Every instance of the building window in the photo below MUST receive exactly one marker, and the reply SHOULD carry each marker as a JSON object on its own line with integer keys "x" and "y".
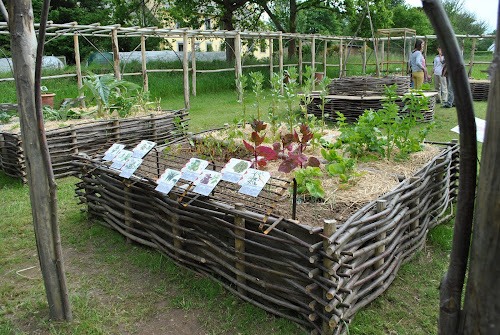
{"x": 208, "y": 24}
{"x": 210, "y": 47}
{"x": 180, "y": 47}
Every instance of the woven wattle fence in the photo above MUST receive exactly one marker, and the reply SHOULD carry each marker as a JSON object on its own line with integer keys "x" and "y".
{"x": 317, "y": 277}
{"x": 352, "y": 96}
{"x": 90, "y": 137}
{"x": 479, "y": 89}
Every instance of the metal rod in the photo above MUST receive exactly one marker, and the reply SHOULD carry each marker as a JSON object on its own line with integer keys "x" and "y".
{"x": 294, "y": 200}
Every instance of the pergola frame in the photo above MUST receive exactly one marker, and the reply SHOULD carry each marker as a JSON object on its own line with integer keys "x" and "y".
{"x": 117, "y": 31}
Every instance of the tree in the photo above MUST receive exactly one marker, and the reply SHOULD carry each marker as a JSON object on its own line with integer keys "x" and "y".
{"x": 42, "y": 186}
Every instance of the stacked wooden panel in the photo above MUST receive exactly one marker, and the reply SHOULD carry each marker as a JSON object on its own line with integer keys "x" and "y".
{"x": 479, "y": 89}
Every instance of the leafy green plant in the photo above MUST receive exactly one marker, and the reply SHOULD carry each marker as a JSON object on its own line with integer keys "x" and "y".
{"x": 64, "y": 113}
{"x": 339, "y": 166}
{"x": 290, "y": 94}
{"x": 276, "y": 83}
{"x": 5, "y": 117}
{"x": 308, "y": 184}
{"x": 305, "y": 97}
{"x": 257, "y": 81}
{"x": 241, "y": 85}
{"x": 106, "y": 90}
{"x": 323, "y": 86}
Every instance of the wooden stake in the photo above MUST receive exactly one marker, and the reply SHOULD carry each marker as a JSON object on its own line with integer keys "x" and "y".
{"x": 341, "y": 58}
{"x": 78, "y": 66}
{"x": 193, "y": 65}
{"x": 381, "y": 205}
{"x": 471, "y": 62}
{"x": 239, "y": 245}
{"x": 328, "y": 230}
{"x": 364, "y": 57}
{"x": 116, "y": 55}
{"x": 313, "y": 58}
{"x": 271, "y": 58}
{"x": 325, "y": 54}
{"x": 74, "y": 140}
{"x": 185, "y": 71}
{"x": 414, "y": 225}
{"x": 127, "y": 212}
{"x": 280, "y": 56}
{"x": 300, "y": 62}
{"x": 237, "y": 58}
{"x": 145, "y": 81}
{"x": 153, "y": 127}
{"x": 116, "y": 129}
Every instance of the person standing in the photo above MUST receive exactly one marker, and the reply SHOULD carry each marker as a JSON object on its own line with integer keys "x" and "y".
{"x": 418, "y": 70}
{"x": 439, "y": 80}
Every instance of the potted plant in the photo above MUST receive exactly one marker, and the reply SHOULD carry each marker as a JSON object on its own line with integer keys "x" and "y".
{"x": 47, "y": 97}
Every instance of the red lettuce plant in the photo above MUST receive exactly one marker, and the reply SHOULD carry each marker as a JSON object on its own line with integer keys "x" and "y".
{"x": 262, "y": 154}
{"x": 295, "y": 156}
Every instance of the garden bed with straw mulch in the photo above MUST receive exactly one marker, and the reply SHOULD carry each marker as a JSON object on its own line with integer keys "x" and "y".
{"x": 317, "y": 273}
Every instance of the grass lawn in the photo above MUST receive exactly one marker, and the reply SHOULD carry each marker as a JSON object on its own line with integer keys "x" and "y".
{"x": 119, "y": 288}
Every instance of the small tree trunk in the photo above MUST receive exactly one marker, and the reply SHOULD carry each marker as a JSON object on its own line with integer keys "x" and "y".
{"x": 227, "y": 24}
{"x": 292, "y": 27}
{"x": 40, "y": 175}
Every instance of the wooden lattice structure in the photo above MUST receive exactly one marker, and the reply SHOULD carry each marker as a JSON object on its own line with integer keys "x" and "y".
{"x": 316, "y": 277}
{"x": 90, "y": 138}
{"x": 406, "y": 37}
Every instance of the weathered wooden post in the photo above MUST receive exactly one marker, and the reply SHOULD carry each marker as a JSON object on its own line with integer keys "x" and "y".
{"x": 313, "y": 58}
{"x": 300, "y": 61}
{"x": 78, "y": 66}
{"x": 185, "y": 70}
{"x": 271, "y": 65}
{"x": 74, "y": 140}
{"x": 116, "y": 55}
{"x": 193, "y": 65}
{"x": 341, "y": 58}
{"x": 280, "y": 56}
{"x": 239, "y": 245}
{"x": 237, "y": 59}
{"x": 381, "y": 205}
{"x": 145, "y": 81}
{"x": 127, "y": 213}
{"x": 364, "y": 56}
{"x": 471, "y": 62}
{"x": 175, "y": 222}
{"x": 153, "y": 127}
{"x": 439, "y": 178}
{"x": 414, "y": 204}
{"x": 116, "y": 129}
{"x": 325, "y": 54}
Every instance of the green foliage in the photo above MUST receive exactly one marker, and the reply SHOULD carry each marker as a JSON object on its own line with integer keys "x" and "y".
{"x": 339, "y": 166}
{"x": 5, "y": 117}
{"x": 257, "y": 80}
{"x": 308, "y": 184}
{"x": 241, "y": 85}
{"x": 290, "y": 94}
{"x": 64, "y": 113}
{"x": 323, "y": 86}
{"x": 307, "y": 86}
{"x": 276, "y": 83}
{"x": 107, "y": 91}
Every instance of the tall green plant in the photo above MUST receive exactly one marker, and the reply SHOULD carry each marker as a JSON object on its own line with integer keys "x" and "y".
{"x": 276, "y": 83}
{"x": 307, "y": 87}
{"x": 104, "y": 89}
{"x": 241, "y": 85}
{"x": 257, "y": 81}
{"x": 323, "y": 86}
{"x": 290, "y": 94}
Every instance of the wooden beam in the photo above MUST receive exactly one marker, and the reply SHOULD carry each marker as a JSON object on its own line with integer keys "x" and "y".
{"x": 185, "y": 70}
{"x": 270, "y": 58}
{"x": 341, "y": 58}
{"x": 193, "y": 65}
{"x": 116, "y": 55}
{"x": 364, "y": 57}
{"x": 471, "y": 62}
{"x": 144, "y": 68}
{"x": 237, "y": 58}
{"x": 325, "y": 54}
{"x": 300, "y": 61}
{"x": 280, "y": 56}
{"x": 313, "y": 58}
{"x": 78, "y": 66}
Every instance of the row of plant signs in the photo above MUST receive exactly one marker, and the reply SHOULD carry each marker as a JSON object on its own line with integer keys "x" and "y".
{"x": 236, "y": 171}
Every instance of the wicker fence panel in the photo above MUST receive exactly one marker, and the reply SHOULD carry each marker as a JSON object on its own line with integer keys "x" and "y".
{"x": 368, "y": 86}
{"x": 90, "y": 137}
{"x": 295, "y": 271}
{"x": 479, "y": 89}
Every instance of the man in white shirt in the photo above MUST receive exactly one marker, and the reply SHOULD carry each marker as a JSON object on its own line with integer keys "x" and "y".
{"x": 439, "y": 79}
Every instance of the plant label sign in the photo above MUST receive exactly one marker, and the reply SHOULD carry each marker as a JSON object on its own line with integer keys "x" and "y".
{"x": 167, "y": 180}
{"x": 193, "y": 169}
{"x": 113, "y": 151}
{"x": 480, "y": 129}
{"x": 143, "y": 148}
{"x": 253, "y": 181}
{"x": 120, "y": 159}
{"x": 206, "y": 182}
{"x": 130, "y": 166}
{"x": 234, "y": 170}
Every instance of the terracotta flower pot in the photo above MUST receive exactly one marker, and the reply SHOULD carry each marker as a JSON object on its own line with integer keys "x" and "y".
{"x": 48, "y": 99}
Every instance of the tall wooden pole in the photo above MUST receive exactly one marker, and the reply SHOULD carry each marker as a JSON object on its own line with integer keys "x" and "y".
{"x": 116, "y": 55}
{"x": 280, "y": 57}
{"x": 364, "y": 57}
{"x": 42, "y": 185}
{"x": 237, "y": 59}
{"x": 185, "y": 71}
{"x": 471, "y": 62}
{"x": 313, "y": 58}
{"x": 300, "y": 61}
{"x": 193, "y": 65}
{"x": 341, "y": 58}
{"x": 271, "y": 70}
{"x": 325, "y": 54}
{"x": 78, "y": 65}
{"x": 144, "y": 68}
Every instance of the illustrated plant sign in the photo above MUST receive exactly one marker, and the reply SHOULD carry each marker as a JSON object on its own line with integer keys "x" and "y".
{"x": 120, "y": 159}
{"x": 113, "y": 151}
{"x": 143, "y": 148}
{"x": 193, "y": 169}
{"x": 253, "y": 181}
{"x": 130, "y": 166}
{"x": 167, "y": 180}
{"x": 206, "y": 182}
{"x": 234, "y": 170}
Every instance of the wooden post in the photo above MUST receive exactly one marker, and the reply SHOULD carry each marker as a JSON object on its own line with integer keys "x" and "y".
{"x": 403, "y": 65}
{"x": 78, "y": 66}
{"x": 364, "y": 56}
{"x": 280, "y": 56}
{"x": 116, "y": 55}
{"x": 237, "y": 59}
{"x": 381, "y": 205}
{"x": 382, "y": 55}
{"x": 425, "y": 48}
{"x": 145, "y": 81}
{"x": 439, "y": 178}
{"x": 193, "y": 65}
{"x": 463, "y": 46}
{"x": 300, "y": 61}
{"x": 325, "y": 54}
{"x": 471, "y": 62}
{"x": 185, "y": 70}
{"x": 127, "y": 212}
{"x": 329, "y": 229}
{"x": 153, "y": 127}
{"x": 239, "y": 245}
{"x": 116, "y": 130}
{"x": 74, "y": 140}
{"x": 413, "y": 204}
{"x": 313, "y": 59}
{"x": 341, "y": 58}
{"x": 176, "y": 231}
{"x": 271, "y": 70}
{"x": 3, "y": 152}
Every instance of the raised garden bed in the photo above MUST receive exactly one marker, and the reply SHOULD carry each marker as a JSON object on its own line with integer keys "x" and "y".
{"x": 89, "y": 137}
{"x": 479, "y": 89}
{"x": 314, "y": 276}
